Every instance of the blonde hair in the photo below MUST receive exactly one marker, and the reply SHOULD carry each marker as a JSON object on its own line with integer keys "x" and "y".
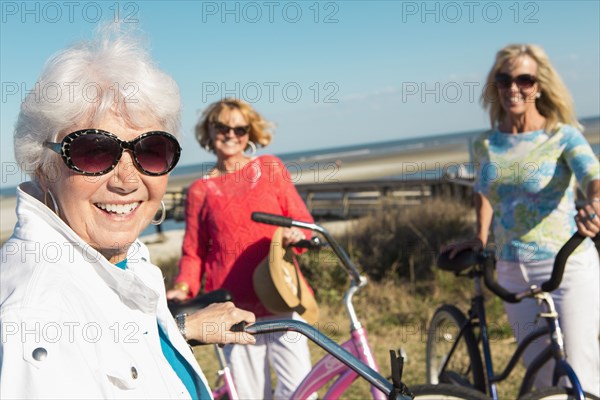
{"x": 260, "y": 129}
{"x": 555, "y": 102}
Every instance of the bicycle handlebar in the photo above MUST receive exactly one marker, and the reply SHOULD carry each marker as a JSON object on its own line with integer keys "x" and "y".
{"x": 279, "y": 220}
{"x": 561, "y": 261}
{"x": 488, "y": 263}
{"x": 555, "y": 279}
{"x": 272, "y": 219}
{"x": 337, "y": 351}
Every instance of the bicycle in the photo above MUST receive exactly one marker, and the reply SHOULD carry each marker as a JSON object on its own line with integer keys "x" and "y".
{"x": 452, "y": 352}
{"x": 343, "y": 363}
{"x": 355, "y": 356}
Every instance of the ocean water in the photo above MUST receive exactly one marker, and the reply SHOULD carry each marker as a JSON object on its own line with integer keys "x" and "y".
{"x": 355, "y": 152}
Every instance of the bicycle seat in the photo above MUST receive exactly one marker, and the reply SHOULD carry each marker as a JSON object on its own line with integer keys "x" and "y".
{"x": 463, "y": 260}
{"x": 199, "y": 302}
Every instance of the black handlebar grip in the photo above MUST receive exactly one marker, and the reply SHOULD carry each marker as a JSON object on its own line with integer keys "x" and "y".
{"x": 239, "y": 327}
{"x": 490, "y": 282}
{"x": 271, "y": 219}
{"x": 461, "y": 261}
{"x": 561, "y": 261}
{"x": 311, "y": 244}
{"x": 303, "y": 244}
{"x": 199, "y": 302}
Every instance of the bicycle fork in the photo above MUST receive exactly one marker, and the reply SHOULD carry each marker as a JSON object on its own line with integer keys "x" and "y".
{"x": 556, "y": 350}
{"x": 479, "y": 308}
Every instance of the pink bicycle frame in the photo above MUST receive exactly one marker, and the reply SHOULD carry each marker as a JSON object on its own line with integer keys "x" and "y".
{"x": 329, "y": 367}
{"x": 228, "y": 387}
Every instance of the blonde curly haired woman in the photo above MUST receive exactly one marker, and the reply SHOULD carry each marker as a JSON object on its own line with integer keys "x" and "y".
{"x": 223, "y": 246}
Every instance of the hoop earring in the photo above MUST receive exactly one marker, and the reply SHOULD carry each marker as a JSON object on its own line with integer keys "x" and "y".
{"x": 54, "y": 205}
{"x": 163, "y": 214}
{"x": 252, "y": 147}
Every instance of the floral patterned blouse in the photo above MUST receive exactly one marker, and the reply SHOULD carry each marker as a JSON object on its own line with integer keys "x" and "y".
{"x": 530, "y": 180}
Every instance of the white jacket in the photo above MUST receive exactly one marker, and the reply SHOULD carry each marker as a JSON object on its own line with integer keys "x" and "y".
{"x": 74, "y": 325}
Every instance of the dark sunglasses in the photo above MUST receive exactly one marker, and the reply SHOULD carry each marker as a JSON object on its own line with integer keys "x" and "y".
{"x": 224, "y": 129}
{"x": 94, "y": 152}
{"x": 524, "y": 81}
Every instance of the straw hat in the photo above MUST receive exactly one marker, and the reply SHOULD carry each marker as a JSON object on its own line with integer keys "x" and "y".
{"x": 280, "y": 285}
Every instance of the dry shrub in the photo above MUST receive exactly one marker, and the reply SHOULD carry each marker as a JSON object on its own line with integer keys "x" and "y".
{"x": 396, "y": 249}
{"x": 404, "y": 242}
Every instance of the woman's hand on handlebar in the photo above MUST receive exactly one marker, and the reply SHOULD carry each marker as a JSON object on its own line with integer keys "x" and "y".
{"x": 180, "y": 292}
{"x": 588, "y": 218}
{"x": 292, "y": 235}
{"x": 453, "y": 249}
{"x": 177, "y": 295}
{"x": 214, "y": 323}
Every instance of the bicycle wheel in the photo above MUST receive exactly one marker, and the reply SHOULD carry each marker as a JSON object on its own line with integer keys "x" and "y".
{"x": 464, "y": 366}
{"x": 446, "y": 392}
{"x": 555, "y": 393}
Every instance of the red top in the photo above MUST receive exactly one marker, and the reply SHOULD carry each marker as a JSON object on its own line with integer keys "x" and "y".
{"x": 221, "y": 241}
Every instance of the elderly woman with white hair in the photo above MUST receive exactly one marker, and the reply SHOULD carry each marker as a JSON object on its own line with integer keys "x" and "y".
{"x": 83, "y": 311}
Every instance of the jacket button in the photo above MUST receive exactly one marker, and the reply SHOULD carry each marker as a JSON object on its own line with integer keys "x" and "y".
{"x": 134, "y": 373}
{"x": 39, "y": 354}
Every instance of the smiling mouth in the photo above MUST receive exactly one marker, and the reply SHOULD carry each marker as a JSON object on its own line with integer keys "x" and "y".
{"x": 516, "y": 99}
{"x": 120, "y": 209}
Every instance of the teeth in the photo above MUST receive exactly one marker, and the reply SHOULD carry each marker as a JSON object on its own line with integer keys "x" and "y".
{"x": 118, "y": 208}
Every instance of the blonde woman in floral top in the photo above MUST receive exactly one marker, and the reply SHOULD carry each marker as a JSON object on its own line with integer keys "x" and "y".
{"x": 528, "y": 167}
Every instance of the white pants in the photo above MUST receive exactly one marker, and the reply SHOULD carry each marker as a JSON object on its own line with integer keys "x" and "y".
{"x": 287, "y": 353}
{"x": 577, "y": 302}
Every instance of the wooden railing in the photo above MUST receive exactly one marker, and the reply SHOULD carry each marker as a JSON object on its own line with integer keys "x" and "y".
{"x": 354, "y": 199}
{"x": 175, "y": 204}
{"x": 342, "y": 200}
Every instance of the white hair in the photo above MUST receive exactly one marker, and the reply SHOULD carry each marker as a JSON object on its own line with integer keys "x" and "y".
{"x": 81, "y": 84}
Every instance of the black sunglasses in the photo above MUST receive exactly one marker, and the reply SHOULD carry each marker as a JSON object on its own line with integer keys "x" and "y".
{"x": 224, "y": 129}
{"x": 524, "y": 81}
{"x": 94, "y": 152}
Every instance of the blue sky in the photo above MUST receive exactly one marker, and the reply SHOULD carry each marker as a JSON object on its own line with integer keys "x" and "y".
{"x": 328, "y": 73}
